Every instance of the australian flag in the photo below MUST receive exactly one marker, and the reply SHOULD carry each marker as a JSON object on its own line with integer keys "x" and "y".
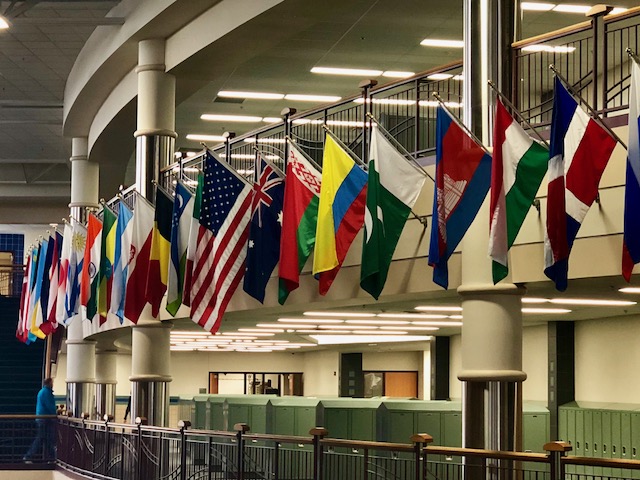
{"x": 266, "y": 224}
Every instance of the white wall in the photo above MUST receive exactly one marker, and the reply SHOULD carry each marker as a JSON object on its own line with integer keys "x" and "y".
{"x": 30, "y": 232}
{"x": 321, "y": 373}
{"x": 391, "y": 361}
{"x": 607, "y": 360}
{"x": 455, "y": 365}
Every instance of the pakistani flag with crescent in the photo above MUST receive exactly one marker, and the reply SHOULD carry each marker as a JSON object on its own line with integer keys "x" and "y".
{"x": 393, "y": 188}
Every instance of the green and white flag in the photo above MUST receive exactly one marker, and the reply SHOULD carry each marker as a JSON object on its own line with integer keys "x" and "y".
{"x": 393, "y": 188}
{"x": 519, "y": 165}
{"x": 180, "y": 228}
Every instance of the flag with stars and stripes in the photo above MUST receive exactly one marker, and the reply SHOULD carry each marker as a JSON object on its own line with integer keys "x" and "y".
{"x": 263, "y": 251}
{"x": 222, "y": 240}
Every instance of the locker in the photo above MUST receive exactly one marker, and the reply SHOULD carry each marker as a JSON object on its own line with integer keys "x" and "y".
{"x": 452, "y": 432}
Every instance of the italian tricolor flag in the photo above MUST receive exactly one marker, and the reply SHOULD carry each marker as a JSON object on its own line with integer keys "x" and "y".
{"x": 519, "y": 165}
{"x": 299, "y": 220}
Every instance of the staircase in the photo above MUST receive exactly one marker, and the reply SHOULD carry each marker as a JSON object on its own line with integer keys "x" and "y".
{"x": 20, "y": 364}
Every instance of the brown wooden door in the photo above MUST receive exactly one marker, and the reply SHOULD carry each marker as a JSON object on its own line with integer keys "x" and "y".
{"x": 213, "y": 383}
{"x": 401, "y": 384}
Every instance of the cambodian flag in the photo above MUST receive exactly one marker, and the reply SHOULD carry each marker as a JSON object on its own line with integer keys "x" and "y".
{"x": 631, "y": 244}
{"x": 580, "y": 150}
{"x": 463, "y": 177}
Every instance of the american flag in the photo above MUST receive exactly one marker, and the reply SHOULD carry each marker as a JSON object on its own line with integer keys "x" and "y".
{"x": 222, "y": 240}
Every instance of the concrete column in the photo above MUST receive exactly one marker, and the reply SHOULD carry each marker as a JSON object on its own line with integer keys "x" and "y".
{"x": 81, "y": 361}
{"x": 150, "y": 372}
{"x": 492, "y": 319}
{"x": 106, "y": 380}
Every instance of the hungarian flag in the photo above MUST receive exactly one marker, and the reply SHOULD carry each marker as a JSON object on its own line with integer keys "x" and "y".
{"x": 580, "y": 150}
{"x": 91, "y": 263}
{"x": 340, "y": 211}
{"x": 180, "y": 226}
{"x": 263, "y": 250}
{"x": 135, "y": 296}
{"x": 160, "y": 246}
{"x": 107, "y": 259}
{"x": 631, "y": 243}
{"x": 194, "y": 226}
{"x": 393, "y": 188}
{"x": 299, "y": 220}
{"x": 124, "y": 232}
{"x": 519, "y": 165}
{"x": 463, "y": 176}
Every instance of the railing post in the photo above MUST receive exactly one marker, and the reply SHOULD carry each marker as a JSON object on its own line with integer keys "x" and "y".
{"x": 140, "y": 421}
{"x": 366, "y": 86}
{"x": 597, "y": 14}
{"x": 228, "y": 136}
{"x": 557, "y": 450}
{"x": 84, "y": 459}
{"x": 286, "y": 117}
{"x": 183, "y": 425}
{"x": 318, "y": 434}
{"x": 240, "y": 428}
{"x": 107, "y": 441}
{"x": 420, "y": 441}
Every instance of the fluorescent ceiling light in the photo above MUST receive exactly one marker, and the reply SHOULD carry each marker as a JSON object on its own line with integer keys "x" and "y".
{"x": 572, "y": 8}
{"x": 458, "y": 77}
{"x": 534, "y": 300}
{"x": 457, "y": 317}
{"x": 379, "y": 332}
{"x": 545, "y": 310}
{"x": 425, "y": 328}
{"x": 591, "y": 301}
{"x": 378, "y": 322}
{"x": 310, "y": 320}
{"x": 252, "y": 95}
{"x": 629, "y": 290}
{"x": 439, "y": 76}
{"x": 339, "y": 327}
{"x": 617, "y": 10}
{"x": 410, "y": 315}
{"x": 311, "y": 98}
{"x": 397, "y": 74}
{"x": 272, "y": 119}
{"x": 304, "y": 121}
{"x": 438, "y": 308}
{"x": 537, "y": 6}
{"x": 354, "y": 339}
{"x": 328, "y": 332}
{"x": 265, "y": 140}
{"x": 345, "y": 123}
{"x": 214, "y": 117}
{"x": 340, "y": 314}
{"x": 240, "y": 156}
{"x": 548, "y": 48}
{"x": 285, "y": 325}
{"x": 434, "y": 42}
{"x": 434, "y": 103}
{"x": 386, "y": 101}
{"x": 438, "y": 324}
{"x": 272, "y": 330}
{"x": 205, "y": 138}
{"x": 191, "y": 333}
{"x": 359, "y": 72}
{"x": 4, "y": 24}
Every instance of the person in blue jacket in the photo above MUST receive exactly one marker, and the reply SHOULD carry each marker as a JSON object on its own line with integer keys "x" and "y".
{"x": 45, "y": 405}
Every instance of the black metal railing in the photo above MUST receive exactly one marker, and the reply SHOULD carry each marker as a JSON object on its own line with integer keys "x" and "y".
{"x": 11, "y": 280}
{"x": 135, "y": 452}
{"x": 27, "y": 438}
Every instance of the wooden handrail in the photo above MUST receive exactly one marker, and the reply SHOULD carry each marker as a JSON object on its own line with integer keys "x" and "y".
{"x": 602, "y": 462}
{"x": 545, "y": 37}
{"x": 480, "y": 453}
{"x": 335, "y": 442}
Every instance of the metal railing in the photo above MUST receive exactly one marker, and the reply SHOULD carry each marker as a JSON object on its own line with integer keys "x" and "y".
{"x": 135, "y": 452}
{"x": 17, "y": 435}
{"x": 11, "y": 280}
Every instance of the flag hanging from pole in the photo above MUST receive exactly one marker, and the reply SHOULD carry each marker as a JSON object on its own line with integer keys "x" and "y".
{"x": 124, "y": 232}
{"x": 76, "y": 262}
{"x": 180, "y": 226}
{"x": 159, "y": 257}
{"x": 519, "y": 165}
{"x": 91, "y": 263}
{"x": 222, "y": 242}
{"x": 263, "y": 250}
{"x": 392, "y": 190}
{"x": 631, "y": 242}
{"x": 580, "y": 150}
{"x": 463, "y": 176}
{"x": 63, "y": 274}
{"x": 194, "y": 226}
{"x": 107, "y": 259}
{"x": 299, "y": 220}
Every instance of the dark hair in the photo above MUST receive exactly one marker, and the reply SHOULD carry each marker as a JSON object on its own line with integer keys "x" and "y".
{"x": 48, "y": 382}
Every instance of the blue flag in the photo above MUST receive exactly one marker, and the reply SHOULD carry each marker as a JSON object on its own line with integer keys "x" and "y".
{"x": 266, "y": 224}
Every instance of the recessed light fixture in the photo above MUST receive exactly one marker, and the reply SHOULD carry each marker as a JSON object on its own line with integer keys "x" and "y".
{"x": 380, "y": 332}
{"x": 205, "y": 138}
{"x": 272, "y": 119}
{"x": 311, "y": 98}
{"x": 397, "y": 74}
{"x": 592, "y": 302}
{"x": 629, "y": 290}
{"x": 456, "y": 317}
{"x": 438, "y": 324}
{"x": 4, "y": 24}
{"x": 411, "y": 315}
{"x": 310, "y": 320}
{"x": 338, "y": 327}
{"x": 340, "y": 314}
{"x": 378, "y": 322}
{"x": 572, "y": 8}
{"x": 355, "y": 339}
{"x": 271, "y": 330}
{"x": 545, "y": 310}
{"x": 251, "y": 95}
{"x": 439, "y": 76}
{"x": 265, "y": 140}
{"x": 435, "y": 42}
{"x": 358, "y": 72}
{"x": 211, "y": 117}
{"x": 423, "y": 328}
{"x": 438, "y": 308}
{"x": 537, "y": 6}
{"x": 534, "y": 300}
{"x": 323, "y": 332}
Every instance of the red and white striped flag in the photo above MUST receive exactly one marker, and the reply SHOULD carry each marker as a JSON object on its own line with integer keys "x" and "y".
{"x": 222, "y": 240}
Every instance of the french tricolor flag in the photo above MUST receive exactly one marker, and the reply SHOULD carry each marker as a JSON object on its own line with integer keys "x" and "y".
{"x": 580, "y": 150}
{"x": 631, "y": 244}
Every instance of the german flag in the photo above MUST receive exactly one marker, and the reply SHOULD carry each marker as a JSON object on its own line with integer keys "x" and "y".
{"x": 160, "y": 251}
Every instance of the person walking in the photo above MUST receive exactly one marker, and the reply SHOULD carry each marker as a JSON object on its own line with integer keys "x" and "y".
{"x": 45, "y": 438}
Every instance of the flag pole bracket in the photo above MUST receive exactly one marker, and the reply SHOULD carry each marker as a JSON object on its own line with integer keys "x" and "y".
{"x": 536, "y": 204}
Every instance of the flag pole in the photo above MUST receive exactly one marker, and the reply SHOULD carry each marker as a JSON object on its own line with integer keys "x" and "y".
{"x": 514, "y": 109}
{"x": 355, "y": 157}
{"x": 633, "y": 55}
{"x": 594, "y": 115}
{"x": 459, "y": 123}
{"x": 405, "y": 153}
{"x": 304, "y": 154}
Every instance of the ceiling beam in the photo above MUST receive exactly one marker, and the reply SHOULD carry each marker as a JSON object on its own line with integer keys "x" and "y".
{"x": 40, "y": 190}
{"x": 67, "y": 21}
{"x": 32, "y": 160}
{"x": 33, "y": 121}
{"x": 30, "y": 104}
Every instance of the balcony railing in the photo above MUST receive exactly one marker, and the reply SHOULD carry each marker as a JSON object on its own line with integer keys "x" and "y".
{"x": 134, "y": 452}
{"x": 11, "y": 280}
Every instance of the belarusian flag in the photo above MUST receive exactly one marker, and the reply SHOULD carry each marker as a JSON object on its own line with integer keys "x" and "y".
{"x": 519, "y": 165}
{"x": 91, "y": 262}
{"x": 194, "y": 228}
{"x": 180, "y": 227}
{"x": 393, "y": 188}
{"x": 107, "y": 259}
{"x": 299, "y": 220}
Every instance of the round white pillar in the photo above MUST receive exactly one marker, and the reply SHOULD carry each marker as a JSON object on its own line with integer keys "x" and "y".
{"x": 106, "y": 380}
{"x": 84, "y": 179}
